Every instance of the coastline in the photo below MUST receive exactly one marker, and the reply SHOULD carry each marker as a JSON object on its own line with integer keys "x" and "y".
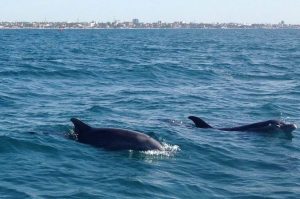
{"x": 135, "y": 24}
{"x": 264, "y": 28}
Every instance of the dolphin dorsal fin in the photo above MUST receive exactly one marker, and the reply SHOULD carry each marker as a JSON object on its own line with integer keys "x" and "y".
{"x": 199, "y": 122}
{"x": 80, "y": 126}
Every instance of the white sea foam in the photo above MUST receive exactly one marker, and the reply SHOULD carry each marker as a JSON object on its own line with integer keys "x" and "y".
{"x": 168, "y": 151}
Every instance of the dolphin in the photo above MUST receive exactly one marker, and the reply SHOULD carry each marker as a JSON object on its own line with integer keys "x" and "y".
{"x": 269, "y": 126}
{"x": 113, "y": 138}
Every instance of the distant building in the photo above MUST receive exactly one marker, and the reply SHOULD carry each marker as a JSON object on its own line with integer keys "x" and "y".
{"x": 135, "y": 21}
{"x": 92, "y": 24}
{"x": 282, "y": 24}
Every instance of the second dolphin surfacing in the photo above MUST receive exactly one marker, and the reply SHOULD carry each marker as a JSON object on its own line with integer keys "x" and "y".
{"x": 113, "y": 138}
{"x": 269, "y": 126}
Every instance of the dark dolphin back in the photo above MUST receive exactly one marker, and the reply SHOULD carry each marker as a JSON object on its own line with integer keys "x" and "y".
{"x": 265, "y": 126}
{"x": 113, "y": 138}
{"x": 79, "y": 126}
{"x": 199, "y": 122}
{"x": 259, "y": 126}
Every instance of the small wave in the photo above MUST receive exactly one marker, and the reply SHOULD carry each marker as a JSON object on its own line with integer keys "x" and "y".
{"x": 121, "y": 60}
{"x": 9, "y": 191}
{"x": 173, "y": 122}
{"x": 16, "y": 145}
{"x": 99, "y": 109}
{"x": 7, "y": 101}
{"x": 48, "y": 73}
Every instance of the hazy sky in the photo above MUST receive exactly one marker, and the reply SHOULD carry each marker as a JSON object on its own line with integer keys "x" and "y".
{"x": 243, "y": 11}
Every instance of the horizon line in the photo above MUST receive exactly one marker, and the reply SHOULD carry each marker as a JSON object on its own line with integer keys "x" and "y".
{"x": 141, "y": 22}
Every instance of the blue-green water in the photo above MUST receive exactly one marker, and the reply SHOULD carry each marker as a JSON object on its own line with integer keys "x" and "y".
{"x": 150, "y": 81}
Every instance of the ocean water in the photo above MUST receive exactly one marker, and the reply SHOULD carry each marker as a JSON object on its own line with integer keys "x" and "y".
{"x": 149, "y": 81}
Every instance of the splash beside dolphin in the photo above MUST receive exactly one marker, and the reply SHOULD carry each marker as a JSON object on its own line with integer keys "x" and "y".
{"x": 269, "y": 126}
{"x": 113, "y": 138}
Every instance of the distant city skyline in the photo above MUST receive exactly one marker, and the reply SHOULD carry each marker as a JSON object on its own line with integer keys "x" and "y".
{"x": 136, "y": 24}
{"x": 207, "y": 11}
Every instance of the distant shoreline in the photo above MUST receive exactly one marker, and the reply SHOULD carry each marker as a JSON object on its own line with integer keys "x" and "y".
{"x": 135, "y": 24}
{"x": 63, "y": 29}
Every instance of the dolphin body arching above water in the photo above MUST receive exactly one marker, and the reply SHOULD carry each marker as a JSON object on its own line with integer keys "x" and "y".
{"x": 113, "y": 138}
{"x": 269, "y": 126}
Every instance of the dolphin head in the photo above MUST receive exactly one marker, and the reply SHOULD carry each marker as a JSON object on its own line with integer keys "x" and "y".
{"x": 284, "y": 127}
{"x": 288, "y": 128}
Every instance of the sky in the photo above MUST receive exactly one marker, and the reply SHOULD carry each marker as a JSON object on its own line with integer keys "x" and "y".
{"x": 209, "y": 11}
